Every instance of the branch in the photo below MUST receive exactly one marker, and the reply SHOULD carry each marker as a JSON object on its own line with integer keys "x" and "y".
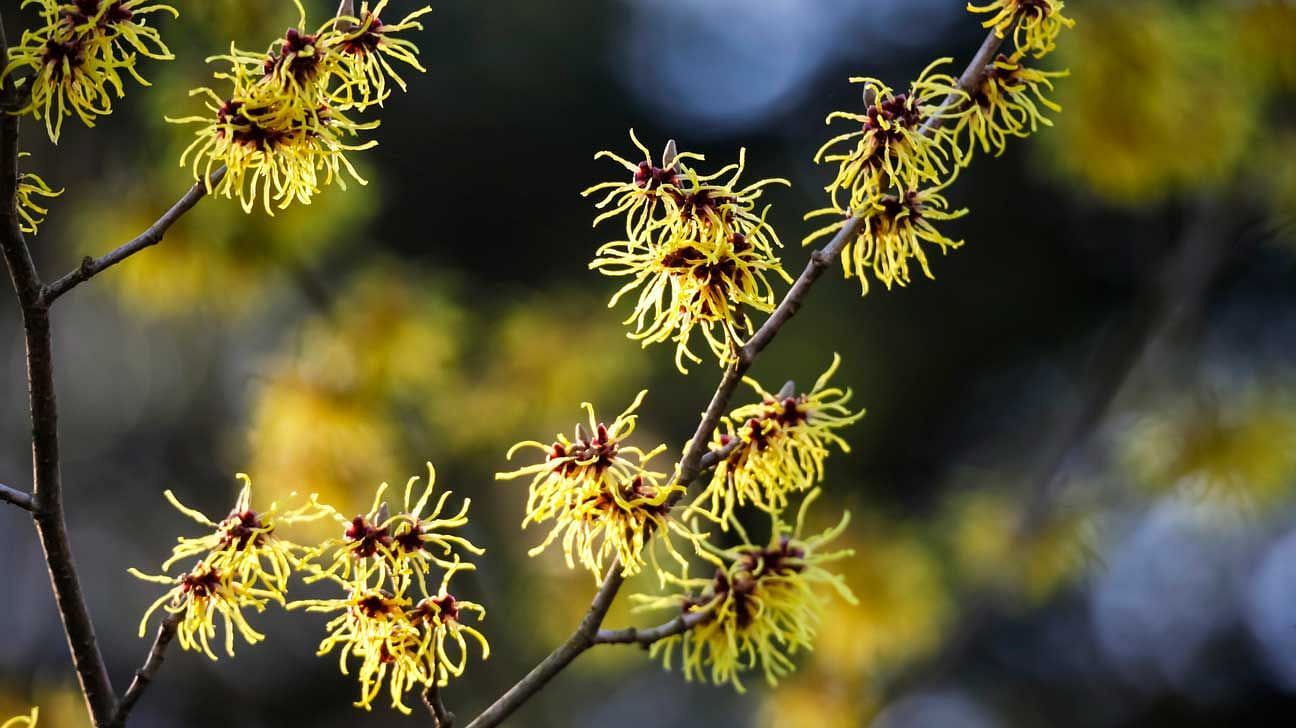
{"x": 645, "y": 637}
{"x": 149, "y": 670}
{"x": 697, "y": 456}
{"x": 560, "y": 658}
{"x": 90, "y": 267}
{"x": 47, "y": 490}
{"x": 15, "y": 497}
{"x": 432, "y": 699}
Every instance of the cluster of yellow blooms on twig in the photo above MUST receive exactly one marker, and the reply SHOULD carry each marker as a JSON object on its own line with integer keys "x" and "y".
{"x": 698, "y": 255}
{"x": 278, "y": 134}
{"x": 396, "y": 618}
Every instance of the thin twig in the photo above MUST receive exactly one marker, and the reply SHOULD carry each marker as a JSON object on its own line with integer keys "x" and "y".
{"x": 47, "y": 490}
{"x": 15, "y": 497}
{"x": 541, "y": 674}
{"x": 432, "y": 699}
{"x": 90, "y": 267}
{"x": 645, "y": 637}
{"x": 149, "y": 670}
{"x": 698, "y": 456}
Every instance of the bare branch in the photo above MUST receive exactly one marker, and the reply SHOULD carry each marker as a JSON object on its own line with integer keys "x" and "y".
{"x": 149, "y": 670}
{"x": 90, "y": 267}
{"x": 645, "y": 637}
{"x": 15, "y": 497}
{"x": 560, "y": 658}
{"x": 432, "y": 699}
{"x": 47, "y": 490}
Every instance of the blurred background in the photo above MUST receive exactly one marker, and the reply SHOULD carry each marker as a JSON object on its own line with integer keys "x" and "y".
{"x": 1072, "y": 494}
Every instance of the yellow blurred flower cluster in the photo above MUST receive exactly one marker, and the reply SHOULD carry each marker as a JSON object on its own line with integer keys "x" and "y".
{"x": 1199, "y": 89}
{"x": 1233, "y": 446}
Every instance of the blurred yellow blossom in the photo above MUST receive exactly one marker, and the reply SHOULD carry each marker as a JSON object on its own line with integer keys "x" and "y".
{"x": 1168, "y": 69}
{"x": 1237, "y": 446}
{"x": 992, "y": 548}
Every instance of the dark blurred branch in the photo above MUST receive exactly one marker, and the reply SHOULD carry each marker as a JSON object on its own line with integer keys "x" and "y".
{"x": 15, "y": 497}
{"x": 145, "y": 674}
{"x": 1168, "y": 301}
{"x": 47, "y": 491}
{"x": 645, "y": 637}
{"x": 432, "y": 699}
{"x": 697, "y": 456}
{"x": 90, "y": 267}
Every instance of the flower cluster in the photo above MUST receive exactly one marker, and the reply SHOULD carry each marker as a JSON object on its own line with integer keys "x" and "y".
{"x": 697, "y": 250}
{"x": 402, "y": 634}
{"x": 761, "y": 606}
{"x": 909, "y": 145}
{"x": 599, "y": 495}
{"x": 31, "y": 213}
{"x": 282, "y": 131}
{"x": 1006, "y": 103}
{"x": 775, "y": 448}
{"x": 1035, "y": 24}
{"x": 398, "y": 618}
{"x": 22, "y": 721}
{"x": 75, "y": 61}
{"x": 243, "y": 563}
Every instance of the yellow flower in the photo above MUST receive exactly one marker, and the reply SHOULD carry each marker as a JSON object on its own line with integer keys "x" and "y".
{"x": 283, "y": 131}
{"x": 599, "y": 494}
{"x": 200, "y": 597}
{"x": 30, "y": 212}
{"x": 688, "y": 283}
{"x": 696, "y": 248}
{"x": 121, "y": 22}
{"x": 892, "y": 233}
{"x": 365, "y": 44}
{"x": 441, "y": 617}
{"x": 23, "y": 721}
{"x": 1035, "y": 23}
{"x": 273, "y": 147}
{"x": 1006, "y": 103}
{"x": 900, "y": 140}
{"x": 764, "y": 604}
{"x": 398, "y": 644}
{"x": 401, "y": 546}
{"x": 245, "y": 546}
{"x": 642, "y": 199}
{"x": 783, "y": 442}
{"x": 77, "y": 57}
